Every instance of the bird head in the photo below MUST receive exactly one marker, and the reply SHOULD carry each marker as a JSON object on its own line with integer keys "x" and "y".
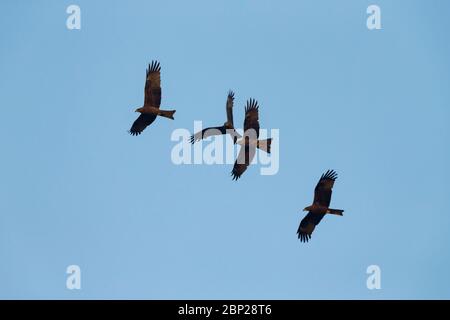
{"x": 308, "y": 208}
{"x": 139, "y": 110}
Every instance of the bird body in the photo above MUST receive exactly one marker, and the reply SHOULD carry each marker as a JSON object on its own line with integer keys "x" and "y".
{"x": 156, "y": 111}
{"x": 263, "y": 145}
{"x": 323, "y": 209}
{"x": 320, "y": 206}
{"x": 249, "y": 143}
{"x": 152, "y": 101}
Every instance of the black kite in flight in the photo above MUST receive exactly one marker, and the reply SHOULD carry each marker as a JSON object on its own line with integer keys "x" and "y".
{"x": 228, "y": 126}
{"x": 320, "y": 206}
{"x": 250, "y": 141}
{"x": 152, "y": 101}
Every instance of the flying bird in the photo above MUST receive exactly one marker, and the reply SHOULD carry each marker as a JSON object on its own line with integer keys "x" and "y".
{"x": 320, "y": 206}
{"x": 250, "y": 141}
{"x": 228, "y": 126}
{"x": 152, "y": 100}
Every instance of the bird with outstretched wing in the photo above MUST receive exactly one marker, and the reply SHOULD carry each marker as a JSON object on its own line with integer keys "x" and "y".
{"x": 250, "y": 141}
{"x": 226, "y": 128}
{"x": 152, "y": 101}
{"x": 320, "y": 206}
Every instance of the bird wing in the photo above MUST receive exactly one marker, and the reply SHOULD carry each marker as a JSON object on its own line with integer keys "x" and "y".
{"x": 230, "y": 102}
{"x": 243, "y": 160}
{"x": 144, "y": 120}
{"x": 208, "y": 132}
{"x": 251, "y": 116}
{"x": 307, "y": 225}
{"x": 322, "y": 192}
{"x": 152, "y": 91}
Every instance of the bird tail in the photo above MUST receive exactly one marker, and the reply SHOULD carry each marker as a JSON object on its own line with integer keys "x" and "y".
{"x": 167, "y": 113}
{"x": 338, "y": 212}
{"x": 265, "y": 145}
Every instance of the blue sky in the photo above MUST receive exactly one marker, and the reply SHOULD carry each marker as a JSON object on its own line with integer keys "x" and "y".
{"x": 77, "y": 189}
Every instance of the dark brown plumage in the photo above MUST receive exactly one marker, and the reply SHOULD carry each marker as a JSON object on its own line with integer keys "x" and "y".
{"x": 228, "y": 127}
{"x": 249, "y": 141}
{"x": 152, "y": 100}
{"x": 320, "y": 206}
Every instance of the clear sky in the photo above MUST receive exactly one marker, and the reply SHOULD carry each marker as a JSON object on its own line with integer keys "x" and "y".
{"x": 76, "y": 188}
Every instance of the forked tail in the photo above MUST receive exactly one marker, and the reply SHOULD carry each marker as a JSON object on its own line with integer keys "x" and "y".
{"x": 167, "y": 113}
{"x": 265, "y": 145}
{"x": 338, "y": 212}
